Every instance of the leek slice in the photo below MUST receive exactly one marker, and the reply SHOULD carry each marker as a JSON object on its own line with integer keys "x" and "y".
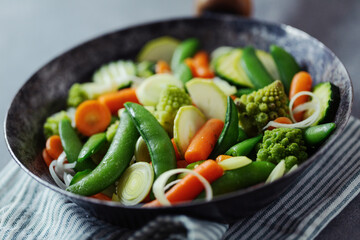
{"x": 234, "y": 163}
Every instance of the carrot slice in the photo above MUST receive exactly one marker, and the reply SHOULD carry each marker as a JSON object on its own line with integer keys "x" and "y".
{"x": 47, "y": 158}
{"x": 222, "y": 158}
{"x": 283, "y": 120}
{"x": 190, "y": 186}
{"x": 302, "y": 81}
{"x": 115, "y": 101}
{"x": 202, "y": 67}
{"x": 101, "y": 196}
{"x": 204, "y": 141}
{"x": 92, "y": 117}
{"x": 54, "y": 146}
{"x": 162, "y": 67}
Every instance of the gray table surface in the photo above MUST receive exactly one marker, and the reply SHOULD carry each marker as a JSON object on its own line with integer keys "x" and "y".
{"x": 33, "y": 32}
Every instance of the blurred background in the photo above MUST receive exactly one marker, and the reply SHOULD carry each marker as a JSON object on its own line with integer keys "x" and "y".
{"x": 33, "y": 32}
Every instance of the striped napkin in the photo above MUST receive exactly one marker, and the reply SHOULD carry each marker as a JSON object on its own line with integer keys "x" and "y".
{"x": 30, "y": 211}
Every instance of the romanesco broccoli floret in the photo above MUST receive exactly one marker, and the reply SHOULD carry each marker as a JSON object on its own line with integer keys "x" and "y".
{"x": 283, "y": 143}
{"x": 76, "y": 95}
{"x": 171, "y": 99}
{"x": 258, "y": 108}
{"x": 51, "y": 125}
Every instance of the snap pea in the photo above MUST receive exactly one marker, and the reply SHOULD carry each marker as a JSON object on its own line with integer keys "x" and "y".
{"x": 114, "y": 163}
{"x": 72, "y": 145}
{"x": 317, "y": 134}
{"x": 232, "y": 180}
{"x": 230, "y": 132}
{"x": 244, "y": 148}
{"x": 286, "y": 65}
{"x": 161, "y": 149}
{"x": 183, "y": 73}
{"x": 242, "y": 135}
{"x": 255, "y": 70}
{"x": 186, "y": 48}
{"x": 92, "y": 145}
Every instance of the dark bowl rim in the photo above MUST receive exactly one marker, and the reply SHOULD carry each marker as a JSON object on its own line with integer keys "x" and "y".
{"x": 221, "y": 17}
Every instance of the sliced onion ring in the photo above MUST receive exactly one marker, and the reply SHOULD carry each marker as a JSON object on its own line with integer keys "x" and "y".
{"x": 55, "y": 176}
{"x": 160, "y": 182}
{"x": 314, "y": 104}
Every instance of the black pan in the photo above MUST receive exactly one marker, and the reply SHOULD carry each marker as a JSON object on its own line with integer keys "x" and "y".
{"x": 45, "y": 93}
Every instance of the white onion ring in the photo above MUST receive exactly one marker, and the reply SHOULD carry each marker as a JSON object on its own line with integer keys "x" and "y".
{"x": 314, "y": 104}
{"x": 169, "y": 185}
{"x": 159, "y": 185}
{"x": 58, "y": 169}
{"x": 55, "y": 176}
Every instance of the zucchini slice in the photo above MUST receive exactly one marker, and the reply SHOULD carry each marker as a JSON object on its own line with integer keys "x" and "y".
{"x": 329, "y": 96}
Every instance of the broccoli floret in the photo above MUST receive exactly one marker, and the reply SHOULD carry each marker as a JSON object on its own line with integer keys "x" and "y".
{"x": 283, "y": 143}
{"x": 51, "y": 125}
{"x": 171, "y": 99}
{"x": 258, "y": 108}
{"x": 76, "y": 95}
{"x": 111, "y": 130}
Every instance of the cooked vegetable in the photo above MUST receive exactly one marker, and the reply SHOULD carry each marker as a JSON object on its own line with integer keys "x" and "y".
{"x": 101, "y": 196}
{"x": 51, "y": 125}
{"x": 229, "y": 133}
{"x": 54, "y": 147}
{"x": 159, "y": 144}
{"x": 234, "y": 163}
{"x": 135, "y": 183}
{"x": 145, "y": 69}
{"x": 188, "y": 121}
{"x": 277, "y": 172}
{"x": 189, "y": 187}
{"x": 186, "y": 49}
{"x": 201, "y": 65}
{"x": 148, "y": 91}
{"x": 204, "y": 141}
{"x": 262, "y": 106}
{"x": 244, "y": 91}
{"x": 232, "y": 180}
{"x": 242, "y": 135}
{"x": 162, "y": 67}
{"x": 46, "y": 157}
{"x": 222, "y": 158}
{"x": 80, "y": 92}
{"x": 283, "y": 144}
{"x": 213, "y": 104}
{"x": 72, "y": 146}
{"x": 301, "y": 81}
{"x": 92, "y": 117}
{"x": 111, "y": 130}
{"x": 245, "y": 147}
{"x": 177, "y": 153}
{"x": 80, "y": 175}
{"x": 161, "y": 48}
{"x": 92, "y": 145}
{"x": 170, "y": 100}
{"x": 255, "y": 70}
{"x": 329, "y": 96}
{"x": 286, "y": 65}
{"x": 183, "y": 72}
{"x": 141, "y": 151}
{"x": 115, "y": 162}
{"x": 317, "y": 134}
{"x": 115, "y": 101}
{"x": 217, "y": 53}
{"x": 225, "y": 86}
{"x": 282, "y": 120}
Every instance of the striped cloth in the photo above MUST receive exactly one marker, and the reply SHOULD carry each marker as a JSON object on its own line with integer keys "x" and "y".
{"x": 31, "y": 211}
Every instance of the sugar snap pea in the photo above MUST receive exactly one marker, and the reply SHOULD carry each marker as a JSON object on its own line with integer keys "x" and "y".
{"x": 161, "y": 149}
{"x": 244, "y": 148}
{"x": 72, "y": 145}
{"x": 317, "y": 134}
{"x": 92, "y": 145}
{"x": 114, "y": 163}
{"x": 186, "y": 48}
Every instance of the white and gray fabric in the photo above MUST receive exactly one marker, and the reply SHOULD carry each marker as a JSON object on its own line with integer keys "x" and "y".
{"x": 28, "y": 210}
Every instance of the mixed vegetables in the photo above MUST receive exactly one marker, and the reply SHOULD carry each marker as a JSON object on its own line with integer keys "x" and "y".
{"x": 178, "y": 125}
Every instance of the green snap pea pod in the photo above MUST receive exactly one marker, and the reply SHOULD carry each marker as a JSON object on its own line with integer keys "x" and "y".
{"x": 244, "y": 148}
{"x": 114, "y": 163}
{"x": 242, "y": 135}
{"x": 255, "y": 70}
{"x": 186, "y": 49}
{"x": 230, "y": 132}
{"x": 80, "y": 175}
{"x": 317, "y": 134}
{"x": 243, "y": 177}
{"x": 183, "y": 73}
{"x": 161, "y": 150}
{"x": 191, "y": 166}
{"x": 286, "y": 65}
{"x": 92, "y": 145}
{"x": 72, "y": 145}
{"x": 244, "y": 91}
